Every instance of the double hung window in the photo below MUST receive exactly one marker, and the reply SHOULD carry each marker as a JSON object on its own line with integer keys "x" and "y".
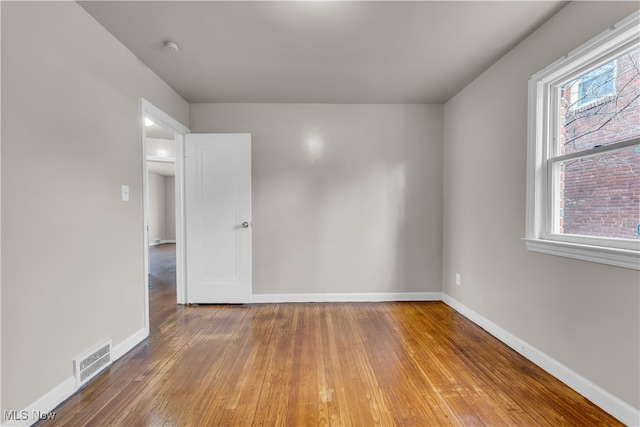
{"x": 583, "y": 184}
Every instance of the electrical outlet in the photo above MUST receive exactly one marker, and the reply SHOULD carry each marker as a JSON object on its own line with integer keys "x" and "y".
{"x": 458, "y": 280}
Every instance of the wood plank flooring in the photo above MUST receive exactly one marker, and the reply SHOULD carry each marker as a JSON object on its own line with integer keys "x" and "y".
{"x": 355, "y": 364}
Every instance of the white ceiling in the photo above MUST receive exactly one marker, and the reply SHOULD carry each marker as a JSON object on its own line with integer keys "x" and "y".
{"x": 320, "y": 51}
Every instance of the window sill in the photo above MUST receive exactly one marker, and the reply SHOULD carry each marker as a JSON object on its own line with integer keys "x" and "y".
{"x": 603, "y": 255}
{"x": 591, "y": 104}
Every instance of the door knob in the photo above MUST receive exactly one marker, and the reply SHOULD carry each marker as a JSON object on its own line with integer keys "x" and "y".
{"x": 245, "y": 225}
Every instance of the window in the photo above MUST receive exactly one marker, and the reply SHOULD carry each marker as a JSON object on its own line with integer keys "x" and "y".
{"x": 594, "y": 86}
{"x": 583, "y": 175}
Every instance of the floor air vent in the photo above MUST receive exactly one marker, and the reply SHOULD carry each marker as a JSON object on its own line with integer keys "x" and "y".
{"x": 91, "y": 363}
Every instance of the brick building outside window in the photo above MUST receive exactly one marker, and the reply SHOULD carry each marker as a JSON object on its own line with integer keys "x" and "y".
{"x": 599, "y": 194}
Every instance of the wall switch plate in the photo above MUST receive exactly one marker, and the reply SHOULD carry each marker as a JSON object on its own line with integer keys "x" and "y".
{"x": 458, "y": 279}
{"x": 125, "y": 193}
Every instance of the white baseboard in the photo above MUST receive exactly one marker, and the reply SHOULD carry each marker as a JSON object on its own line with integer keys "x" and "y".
{"x": 127, "y": 345}
{"x": 47, "y": 403}
{"x": 600, "y": 397}
{"x": 43, "y": 406}
{"x": 361, "y": 297}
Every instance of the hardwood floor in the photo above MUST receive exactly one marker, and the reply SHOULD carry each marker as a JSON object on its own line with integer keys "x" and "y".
{"x": 360, "y": 364}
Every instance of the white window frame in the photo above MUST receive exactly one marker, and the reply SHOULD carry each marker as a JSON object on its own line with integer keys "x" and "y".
{"x": 541, "y": 133}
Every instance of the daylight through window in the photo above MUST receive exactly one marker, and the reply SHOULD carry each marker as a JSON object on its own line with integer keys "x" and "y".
{"x": 599, "y": 194}
{"x": 583, "y": 184}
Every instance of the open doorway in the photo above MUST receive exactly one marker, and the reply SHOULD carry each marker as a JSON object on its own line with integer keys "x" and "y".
{"x": 161, "y": 196}
{"x": 161, "y": 185}
{"x": 165, "y": 137}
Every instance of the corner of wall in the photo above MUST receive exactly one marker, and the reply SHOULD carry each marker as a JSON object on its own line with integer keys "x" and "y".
{"x": 597, "y": 395}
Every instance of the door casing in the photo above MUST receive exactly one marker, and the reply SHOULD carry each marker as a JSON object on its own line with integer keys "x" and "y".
{"x": 160, "y": 117}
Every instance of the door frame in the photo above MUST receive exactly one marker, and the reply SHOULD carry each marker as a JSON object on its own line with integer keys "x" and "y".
{"x": 158, "y": 116}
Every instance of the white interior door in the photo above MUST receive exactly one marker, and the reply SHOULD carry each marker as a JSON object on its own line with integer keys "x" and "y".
{"x": 218, "y": 218}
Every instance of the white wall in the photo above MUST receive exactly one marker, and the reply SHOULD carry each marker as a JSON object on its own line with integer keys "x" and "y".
{"x": 346, "y": 198}
{"x": 157, "y": 223}
{"x": 170, "y": 208}
{"x": 73, "y": 251}
{"x": 162, "y": 207}
{"x": 584, "y": 315}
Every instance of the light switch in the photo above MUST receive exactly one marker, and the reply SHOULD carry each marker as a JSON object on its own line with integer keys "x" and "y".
{"x": 125, "y": 193}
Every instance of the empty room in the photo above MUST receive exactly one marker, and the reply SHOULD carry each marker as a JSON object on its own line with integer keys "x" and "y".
{"x": 305, "y": 213}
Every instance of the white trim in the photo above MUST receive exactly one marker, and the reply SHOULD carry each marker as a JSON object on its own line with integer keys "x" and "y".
{"x": 181, "y": 232}
{"x": 596, "y": 150}
{"x": 600, "y": 254}
{"x": 145, "y": 211}
{"x": 600, "y": 397}
{"x": 128, "y": 344}
{"x": 540, "y": 136}
{"x": 598, "y": 45}
{"x": 49, "y": 401}
{"x": 159, "y": 159}
{"x": 163, "y": 119}
{"x": 45, "y": 404}
{"x": 534, "y": 190}
{"x": 355, "y": 297}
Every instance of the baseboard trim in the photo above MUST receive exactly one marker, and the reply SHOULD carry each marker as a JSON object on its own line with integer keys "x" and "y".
{"x": 128, "y": 344}
{"x": 43, "y": 406}
{"x": 600, "y": 397}
{"x": 358, "y": 297}
{"x": 47, "y": 403}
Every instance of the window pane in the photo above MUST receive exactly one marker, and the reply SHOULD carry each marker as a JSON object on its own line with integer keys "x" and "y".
{"x": 599, "y": 195}
{"x": 596, "y": 84}
{"x": 601, "y": 107}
